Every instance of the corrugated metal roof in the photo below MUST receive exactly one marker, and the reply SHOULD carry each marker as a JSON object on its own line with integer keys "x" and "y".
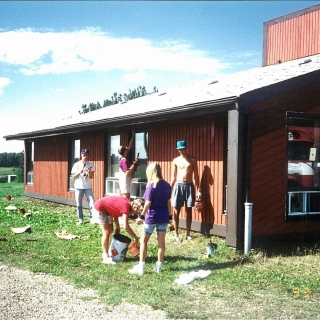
{"x": 224, "y": 90}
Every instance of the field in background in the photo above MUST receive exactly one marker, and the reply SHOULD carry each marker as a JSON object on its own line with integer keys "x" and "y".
{"x": 6, "y": 171}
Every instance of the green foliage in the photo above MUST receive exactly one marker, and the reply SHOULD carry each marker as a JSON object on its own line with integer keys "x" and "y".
{"x": 117, "y": 98}
{"x": 19, "y": 172}
{"x": 3, "y": 179}
{"x": 238, "y": 287}
{"x": 11, "y": 163}
{"x": 12, "y": 159}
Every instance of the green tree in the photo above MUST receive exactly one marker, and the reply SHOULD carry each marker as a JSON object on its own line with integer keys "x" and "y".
{"x": 20, "y": 170}
{"x": 138, "y": 92}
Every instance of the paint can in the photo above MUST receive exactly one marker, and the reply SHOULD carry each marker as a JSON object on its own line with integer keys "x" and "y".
{"x": 119, "y": 247}
{"x": 134, "y": 249}
{"x": 199, "y": 206}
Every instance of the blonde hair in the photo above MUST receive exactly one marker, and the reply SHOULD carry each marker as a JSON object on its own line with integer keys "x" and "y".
{"x": 139, "y": 203}
{"x": 154, "y": 172}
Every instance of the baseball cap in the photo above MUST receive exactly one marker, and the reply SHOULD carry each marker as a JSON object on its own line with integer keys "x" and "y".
{"x": 181, "y": 145}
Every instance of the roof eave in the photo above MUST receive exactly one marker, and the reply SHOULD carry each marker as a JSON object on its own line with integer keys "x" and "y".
{"x": 185, "y": 111}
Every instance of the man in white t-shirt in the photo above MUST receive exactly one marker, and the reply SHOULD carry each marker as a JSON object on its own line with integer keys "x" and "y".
{"x": 82, "y": 173}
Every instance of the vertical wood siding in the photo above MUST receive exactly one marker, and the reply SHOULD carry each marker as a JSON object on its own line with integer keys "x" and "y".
{"x": 95, "y": 142}
{"x": 294, "y": 38}
{"x": 205, "y": 141}
{"x": 51, "y": 173}
{"x": 204, "y": 138}
{"x": 50, "y": 167}
{"x": 269, "y": 164}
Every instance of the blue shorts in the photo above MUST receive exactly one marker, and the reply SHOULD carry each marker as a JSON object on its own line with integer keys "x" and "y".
{"x": 183, "y": 193}
{"x": 149, "y": 228}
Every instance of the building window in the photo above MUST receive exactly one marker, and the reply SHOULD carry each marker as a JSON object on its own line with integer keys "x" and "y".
{"x": 140, "y": 148}
{"x": 113, "y": 163}
{"x": 303, "y": 153}
{"x": 74, "y": 156}
{"x": 112, "y": 182}
{"x": 30, "y": 162}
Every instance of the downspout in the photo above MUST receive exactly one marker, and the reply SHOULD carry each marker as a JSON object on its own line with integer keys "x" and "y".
{"x": 248, "y": 205}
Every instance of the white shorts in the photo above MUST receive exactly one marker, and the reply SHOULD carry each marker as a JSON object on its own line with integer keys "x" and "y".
{"x": 101, "y": 218}
{"x": 125, "y": 183}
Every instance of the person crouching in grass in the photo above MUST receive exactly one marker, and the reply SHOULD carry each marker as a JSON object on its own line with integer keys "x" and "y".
{"x": 109, "y": 209}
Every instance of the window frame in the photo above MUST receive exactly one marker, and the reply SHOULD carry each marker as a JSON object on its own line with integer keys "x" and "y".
{"x": 73, "y": 157}
{"x": 29, "y": 162}
{"x": 138, "y": 185}
{"x": 303, "y": 166}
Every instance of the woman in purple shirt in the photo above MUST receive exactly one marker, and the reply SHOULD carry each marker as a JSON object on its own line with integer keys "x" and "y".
{"x": 156, "y": 210}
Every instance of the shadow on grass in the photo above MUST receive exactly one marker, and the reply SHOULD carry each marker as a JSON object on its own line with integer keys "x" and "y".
{"x": 205, "y": 265}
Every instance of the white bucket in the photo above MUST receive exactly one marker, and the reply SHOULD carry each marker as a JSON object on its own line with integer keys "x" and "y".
{"x": 119, "y": 247}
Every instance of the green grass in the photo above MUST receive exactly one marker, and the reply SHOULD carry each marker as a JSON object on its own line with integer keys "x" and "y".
{"x": 273, "y": 283}
{"x": 6, "y": 171}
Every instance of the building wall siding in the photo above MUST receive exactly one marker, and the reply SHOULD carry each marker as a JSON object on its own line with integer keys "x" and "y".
{"x": 51, "y": 171}
{"x": 268, "y": 173}
{"x": 204, "y": 138}
{"x": 293, "y": 38}
{"x": 205, "y": 141}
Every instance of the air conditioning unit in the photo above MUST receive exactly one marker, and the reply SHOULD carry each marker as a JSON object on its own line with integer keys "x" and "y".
{"x": 138, "y": 187}
{"x": 30, "y": 178}
{"x": 112, "y": 186}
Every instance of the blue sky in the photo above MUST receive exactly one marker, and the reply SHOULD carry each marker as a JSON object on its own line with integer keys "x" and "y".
{"x": 57, "y": 55}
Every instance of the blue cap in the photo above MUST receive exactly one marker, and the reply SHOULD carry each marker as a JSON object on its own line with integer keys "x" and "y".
{"x": 84, "y": 151}
{"x": 181, "y": 145}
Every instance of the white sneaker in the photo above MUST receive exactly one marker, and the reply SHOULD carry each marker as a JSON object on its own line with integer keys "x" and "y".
{"x": 157, "y": 267}
{"x": 137, "y": 269}
{"x": 108, "y": 260}
{"x": 80, "y": 221}
{"x": 188, "y": 238}
{"x": 177, "y": 240}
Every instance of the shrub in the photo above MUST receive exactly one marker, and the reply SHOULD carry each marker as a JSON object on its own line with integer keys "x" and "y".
{"x": 4, "y": 179}
{"x": 19, "y": 172}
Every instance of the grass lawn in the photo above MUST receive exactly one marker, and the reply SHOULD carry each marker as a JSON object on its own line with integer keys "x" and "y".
{"x": 273, "y": 283}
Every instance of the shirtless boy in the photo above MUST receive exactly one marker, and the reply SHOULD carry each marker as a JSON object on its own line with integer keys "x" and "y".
{"x": 185, "y": 169}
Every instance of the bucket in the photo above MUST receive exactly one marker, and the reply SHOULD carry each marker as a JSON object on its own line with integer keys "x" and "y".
{"x": 119, "y": 247}
{"x": 199, "y": 206}
{"x": 134, "y": 249}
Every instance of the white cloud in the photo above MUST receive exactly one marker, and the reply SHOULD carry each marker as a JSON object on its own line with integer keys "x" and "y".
{"x": 137, "y": 76}
{"x": 90, "y": 49}
{"x": 3, "y": 82}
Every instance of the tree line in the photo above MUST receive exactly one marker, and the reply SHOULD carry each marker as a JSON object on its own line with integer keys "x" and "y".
{"x": 117, "y": 98}
{"x": 12, "y": 159}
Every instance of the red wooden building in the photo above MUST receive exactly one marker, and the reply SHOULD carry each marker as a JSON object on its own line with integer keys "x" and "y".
{"x": 254, "y": 133}
{"x": 295, "y": 35}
